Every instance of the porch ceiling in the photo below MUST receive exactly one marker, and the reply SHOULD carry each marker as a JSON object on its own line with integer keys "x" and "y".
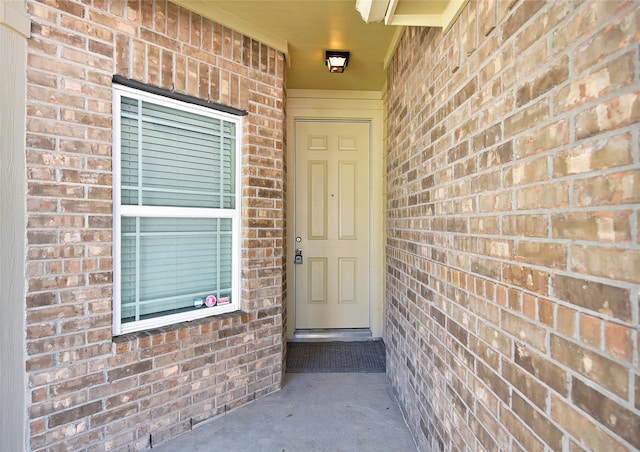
{"x": 304, "y": 29}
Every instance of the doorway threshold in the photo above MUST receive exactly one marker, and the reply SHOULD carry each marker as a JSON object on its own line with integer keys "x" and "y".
{"x": 328, "y": 335}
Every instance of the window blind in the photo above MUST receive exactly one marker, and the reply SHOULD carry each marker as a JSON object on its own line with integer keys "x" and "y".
{"x": 176, "y": 159}
{"x": 167, "y": 263}
{"x": 183, "y": 160}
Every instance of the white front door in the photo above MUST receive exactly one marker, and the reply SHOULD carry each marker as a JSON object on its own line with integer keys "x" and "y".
{"x": 332, "y": 224}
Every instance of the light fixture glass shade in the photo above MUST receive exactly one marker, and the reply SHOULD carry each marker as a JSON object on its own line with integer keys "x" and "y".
{"x": 336, "y": 61}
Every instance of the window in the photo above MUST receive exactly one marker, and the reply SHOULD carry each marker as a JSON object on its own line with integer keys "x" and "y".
{"x": 176, "y": 211}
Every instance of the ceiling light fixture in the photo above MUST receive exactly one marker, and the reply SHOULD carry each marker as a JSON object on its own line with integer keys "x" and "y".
{"x": 336, "y": 61}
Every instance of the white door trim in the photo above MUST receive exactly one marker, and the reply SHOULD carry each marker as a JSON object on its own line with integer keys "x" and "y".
{"x": 337, "y": 106}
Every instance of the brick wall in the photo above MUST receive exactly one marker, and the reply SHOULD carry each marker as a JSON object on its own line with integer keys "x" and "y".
{"x": 513, "y": 252}
{"x": 87, "y": 390}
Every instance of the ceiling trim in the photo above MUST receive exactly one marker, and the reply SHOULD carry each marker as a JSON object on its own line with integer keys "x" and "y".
{"x": 372, "y": 10}
{"x": 391, "y": 50}
{"x": 332, "y": 94}
{"x": 443, "y": 20}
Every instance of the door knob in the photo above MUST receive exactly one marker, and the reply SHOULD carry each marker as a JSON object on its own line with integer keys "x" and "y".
{"x": 298, "y": 258}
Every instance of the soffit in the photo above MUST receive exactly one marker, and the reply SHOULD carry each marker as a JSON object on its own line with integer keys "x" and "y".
{"x": 304, "y": 29}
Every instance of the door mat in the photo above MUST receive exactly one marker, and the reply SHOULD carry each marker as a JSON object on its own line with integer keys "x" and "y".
{"x": 318, "y": 357}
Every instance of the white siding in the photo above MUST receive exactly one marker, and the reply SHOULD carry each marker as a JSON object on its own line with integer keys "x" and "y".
{"x": 13, "y": 27}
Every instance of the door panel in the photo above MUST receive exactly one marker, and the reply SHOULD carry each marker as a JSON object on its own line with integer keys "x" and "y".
{"x": 332, "y": 220}
{"x": 347, "y": 209}
{"x": 318, "y": 191}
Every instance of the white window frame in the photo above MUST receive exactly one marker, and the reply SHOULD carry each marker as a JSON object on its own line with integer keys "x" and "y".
{"x": 120, "y": 211}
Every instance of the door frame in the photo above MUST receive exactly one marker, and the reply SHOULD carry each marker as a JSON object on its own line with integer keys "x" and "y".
{"x": 341, "y": 106}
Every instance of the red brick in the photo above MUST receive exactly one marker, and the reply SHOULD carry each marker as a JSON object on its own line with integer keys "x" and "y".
{"x": 526, "y": 225}
{"x": 125, "y": 398}
{"x": 542, "y": 368}
{"x": 486, "y": 16}
{"x": 76, "y": 384}
{"x": 544, "y": 138}
{"x": 618, "y": 341}
{"x": 520, "y": 16}
{"x": 58, "y": 282}
{"x": 602, "y": 226}
{"x": 598, "y": 297}
{"x": 586, "y": 432}
{"x": 618, "y": 34}
{"x": 594, "y": 366}
{"x": 620, "y": 420}
{"x": 591, "y": 330}
{"x": 537, "y": 56}
{"x": 40, "y": 362}
{"x": 496, "y": 338}
{"x": 529, "y": 306}
{"x": 495, "y": 248}
{"x": 74, "y": 414}
{"x": 503, "y": 7}
{"x": 36, "y": 427}
{"x": 529, "y": 172}
{"x": 546, "y": 196}
{"x": 56, "y": 190}
{"x": 496, "y": 110}
{"x": 541, "y": 253}
{"x": 609, "y": 115}
{"x": 43, "y": 12}
{"x": 105, "y": 417}
{"x": 546, "y": 312}
{"x": 527, "y": 118}
{"x": 79, "y": 25}
{"x": 484, "y": 225}
{"x": 554, "y": 76}
{"x": 613, "y": 263}
{"x": 499, "y": 202}
{"x": 535, "y": 30}
{"x": 527, "y": 278}
{"x": 520, "y": 431}
{"x": 85, "y": 206}
{"x": 537, "y": 421}
{"x": 529, "y": 386}
{"x": 139, "y": 53}
{"x": 615, "y": 75}
{"x": 583, "y": 24}
{"x": 497, "y": 385}
{"x": 616, "y": 188}
{"x": 594, "y": 155}
{"x": 524, "y": 330}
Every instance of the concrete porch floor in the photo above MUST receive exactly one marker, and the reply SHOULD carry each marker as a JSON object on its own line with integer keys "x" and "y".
{"x": 312, "y": 412}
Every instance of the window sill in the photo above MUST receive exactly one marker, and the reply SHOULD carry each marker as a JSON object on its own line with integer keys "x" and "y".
{"x": 214, "y": 321}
